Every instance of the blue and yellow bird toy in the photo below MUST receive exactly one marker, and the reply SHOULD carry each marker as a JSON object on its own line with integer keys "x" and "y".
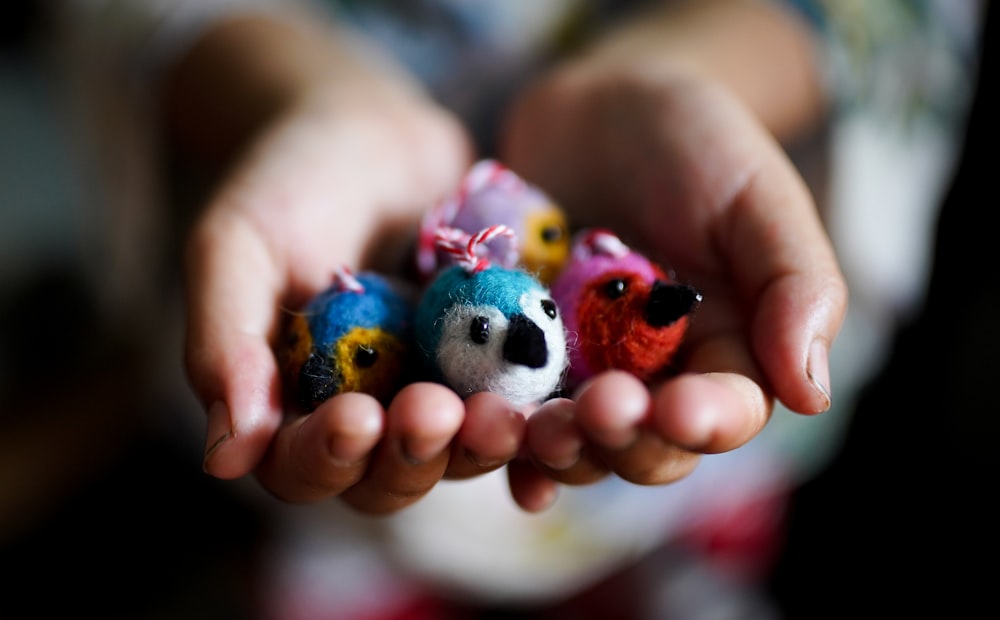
{"x": 355, "y": 336}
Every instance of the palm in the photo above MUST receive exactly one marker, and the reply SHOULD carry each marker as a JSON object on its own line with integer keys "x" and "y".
{"x": 683, "y": 172}
{"x": 298, "y": 207}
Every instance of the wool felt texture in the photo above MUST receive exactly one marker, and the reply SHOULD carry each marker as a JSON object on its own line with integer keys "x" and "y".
{"x": 355, "y": 336}
{"x": 495, "y": 330}
{"x": 491, "y": 194}
{"x": 621, "y": 310}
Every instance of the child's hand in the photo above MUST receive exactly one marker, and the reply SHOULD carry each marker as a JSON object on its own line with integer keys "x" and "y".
{"x": 341, "y": 176}
{"x": 684, "y": 171}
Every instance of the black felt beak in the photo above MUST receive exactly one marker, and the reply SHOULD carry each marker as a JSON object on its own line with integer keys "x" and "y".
{"x": 669, "y": 302}
{"x": 525, "y": 343}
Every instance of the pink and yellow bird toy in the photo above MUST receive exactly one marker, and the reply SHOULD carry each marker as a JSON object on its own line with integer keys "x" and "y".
{"x": 489, "y": 195}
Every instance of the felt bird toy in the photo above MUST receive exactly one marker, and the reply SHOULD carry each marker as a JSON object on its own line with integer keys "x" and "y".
{"x": 354, "y": 336}
{"x": 483, "y": 327}
{"x": 623, "y": 310}
{"x": 491, "y": 194}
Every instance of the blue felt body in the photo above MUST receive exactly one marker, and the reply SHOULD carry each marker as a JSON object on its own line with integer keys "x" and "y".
{"x": 334, "y": 312}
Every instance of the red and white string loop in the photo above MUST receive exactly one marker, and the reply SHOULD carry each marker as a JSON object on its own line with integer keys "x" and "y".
{"x": 601, "y": 241}
{"x": 345, "y": 280}
{"x": 467, "y": 250}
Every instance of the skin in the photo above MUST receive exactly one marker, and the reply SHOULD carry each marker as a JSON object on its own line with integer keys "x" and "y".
{"x": 672, "y": 108}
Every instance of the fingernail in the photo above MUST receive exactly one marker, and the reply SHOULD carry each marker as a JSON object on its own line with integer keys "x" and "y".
{"x": 626, "y": 430}
{"x": 219, "y": 430}
{"x": 564, "y": 462}
{"x": 484, "y": 462}
{"x": 620, "y": 439}
{"x": 558, "y": 443}
{"x": 347, "y": 451}
{"x": 419, "y": 450}
{"x": 570, "y": 447}
{"x": 818, "y": 369}
{"x": 350, "y": 447}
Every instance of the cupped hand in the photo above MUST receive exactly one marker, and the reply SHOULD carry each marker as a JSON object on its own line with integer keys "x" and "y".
{"x": 336, "y": 180}
{"x": 676, "y": 165}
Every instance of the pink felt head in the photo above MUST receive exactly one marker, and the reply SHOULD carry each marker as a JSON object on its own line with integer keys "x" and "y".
{"x": 596, "y": 251}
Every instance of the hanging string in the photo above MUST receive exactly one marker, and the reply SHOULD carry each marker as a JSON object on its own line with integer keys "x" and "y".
{"x": 600, "y": 241}
{"x": 467, "y": 250}
{"x": 484, "y": 173}
{"x": 344, "y": 280}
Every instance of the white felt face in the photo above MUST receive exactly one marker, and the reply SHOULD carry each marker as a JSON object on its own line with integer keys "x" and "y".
{"x": 472, "y": 344}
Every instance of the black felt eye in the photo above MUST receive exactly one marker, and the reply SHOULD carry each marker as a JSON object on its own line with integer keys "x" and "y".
{"x": 365, "y": 356}
{"x": 613, "y": 289}
{"x": 551, "y": 234}
{"x": 549, "y": 307}
{"x": 479, "y": 330}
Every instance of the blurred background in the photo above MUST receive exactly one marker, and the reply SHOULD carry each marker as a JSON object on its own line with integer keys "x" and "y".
{"x": 901, "y": 521}
{"x": 104, "y": 508}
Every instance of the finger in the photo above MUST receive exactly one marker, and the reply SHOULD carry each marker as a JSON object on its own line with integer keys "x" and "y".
{"x": 320, "y": 455}
{"x": 743, "y": 210}
{"x": 800, "y": 293}
{"x": 421, "y": 422}
{"x": 558, "y": 446}
{"x": 532, "y": 490}
{"x": 709, "y": 413}
{"x": 798, "y": 318}
{"x": 491, "y": 435}
{"x": 232, "y": 299}
{"x": 610, "y": 407}
{"x": 613, "y": 410}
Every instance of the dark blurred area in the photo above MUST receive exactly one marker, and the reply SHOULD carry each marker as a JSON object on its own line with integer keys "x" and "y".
{"x": 18, "y": 21}
{"x": 903, "y": 523}
{"x": 102, "y": 513}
